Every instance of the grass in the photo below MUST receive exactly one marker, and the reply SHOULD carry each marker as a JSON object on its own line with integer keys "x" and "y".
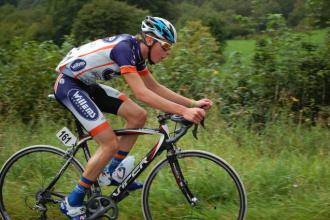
{"x": 285, "y": 168}
{"x": 317, "y": 36}
{"x": 245, "y": 48}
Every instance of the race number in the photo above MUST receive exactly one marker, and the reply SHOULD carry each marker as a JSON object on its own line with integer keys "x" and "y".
{"x": 66, "y": 137}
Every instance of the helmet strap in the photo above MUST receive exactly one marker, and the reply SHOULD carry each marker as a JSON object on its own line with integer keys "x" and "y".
{"x": 149, "y": 57}
{"x": 149, "y": 47}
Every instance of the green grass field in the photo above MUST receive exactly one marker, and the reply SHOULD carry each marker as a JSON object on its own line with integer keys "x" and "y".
{"x": 285, "y": 169}
{"x": 245, "y": 47}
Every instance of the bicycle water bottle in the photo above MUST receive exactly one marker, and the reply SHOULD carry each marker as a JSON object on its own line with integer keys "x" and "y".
{"x": 123, "y": 169}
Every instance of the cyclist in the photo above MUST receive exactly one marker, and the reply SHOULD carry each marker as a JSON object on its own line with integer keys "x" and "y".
{"x": 77, "y": 89}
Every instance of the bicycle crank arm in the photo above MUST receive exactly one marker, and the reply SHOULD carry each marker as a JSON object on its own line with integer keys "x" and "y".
{"x": 99, "y": 206}
{"x": 104, "y": 215}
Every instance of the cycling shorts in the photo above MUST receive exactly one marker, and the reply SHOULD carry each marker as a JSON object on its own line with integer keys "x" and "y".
{"x": 87, "y": 103}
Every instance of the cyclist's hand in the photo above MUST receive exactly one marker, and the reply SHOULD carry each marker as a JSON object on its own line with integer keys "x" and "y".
{"x": 195, "y": 115}
{"x": 205, "y": 104}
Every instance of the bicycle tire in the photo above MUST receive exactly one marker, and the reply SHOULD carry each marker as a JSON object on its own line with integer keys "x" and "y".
{"x": 162, "y": 198}
{"x": 20, "y": 175}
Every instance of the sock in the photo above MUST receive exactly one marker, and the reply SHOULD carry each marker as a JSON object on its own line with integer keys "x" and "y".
{"x": 76, "y": 197}
{"x": 119, "y": 157}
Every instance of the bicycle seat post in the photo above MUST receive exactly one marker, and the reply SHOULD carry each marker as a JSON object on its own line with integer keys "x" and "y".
{"x": 79, "y": 128}
{"x": 84, "y": 145}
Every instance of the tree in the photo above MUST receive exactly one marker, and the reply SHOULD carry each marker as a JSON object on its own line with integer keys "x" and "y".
{"x": 100, "y": 18}
{"x": 159, "y": 8}
{"x": 319, "y": 12}
{"x": 207, "y": 15}
{"x": 11, "y": 2}
{"x": 297, "y": 16}
{"x": 30, "y": 24}
{"x": 63, "y": 13}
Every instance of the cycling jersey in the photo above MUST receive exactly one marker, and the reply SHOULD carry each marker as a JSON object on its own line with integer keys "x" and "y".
{"x": 104, "y": 59}
{"x": 76, "y": 86}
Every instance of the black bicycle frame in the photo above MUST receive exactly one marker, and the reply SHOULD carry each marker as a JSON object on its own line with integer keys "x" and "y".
{"x": 121, "y": 191}
{"x": 164, "y": 143}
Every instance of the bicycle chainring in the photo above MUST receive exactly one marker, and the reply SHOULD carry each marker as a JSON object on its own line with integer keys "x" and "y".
{"x": 101, "y": 207}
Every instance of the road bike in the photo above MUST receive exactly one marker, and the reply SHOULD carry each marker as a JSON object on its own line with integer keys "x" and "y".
{"x": 186, "y": 184}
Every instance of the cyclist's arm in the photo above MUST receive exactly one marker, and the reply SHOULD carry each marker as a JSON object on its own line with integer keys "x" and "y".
{"x": 123, "y": 55}
{"x": 163, "y": 91}
{"x": 144, "y": 94}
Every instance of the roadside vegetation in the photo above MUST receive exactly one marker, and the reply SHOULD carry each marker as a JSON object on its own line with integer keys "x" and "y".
{"x": 265, "y": 66}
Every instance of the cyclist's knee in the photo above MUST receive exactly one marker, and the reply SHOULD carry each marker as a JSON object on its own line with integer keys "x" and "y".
{"x": 139, "y": 118}
{"x": 107, "y": 140}
{"x": 135, "y": 115}
{"x": 110, "y": 148}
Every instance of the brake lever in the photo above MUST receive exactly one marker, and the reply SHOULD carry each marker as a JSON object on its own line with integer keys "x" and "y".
{"x": 202, "y": 123}
{"x": 194, "y": 132}
{"x": 196, "y": 128}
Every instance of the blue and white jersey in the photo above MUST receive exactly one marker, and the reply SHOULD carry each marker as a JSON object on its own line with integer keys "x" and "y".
{"x": 104, "y": 59}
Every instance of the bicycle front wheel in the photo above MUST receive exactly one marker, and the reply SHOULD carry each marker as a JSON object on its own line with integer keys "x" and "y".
{"x": 24, "y": 178}
{"x": 219, "y": 191}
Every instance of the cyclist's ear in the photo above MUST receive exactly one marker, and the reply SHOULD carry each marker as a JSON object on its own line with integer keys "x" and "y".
{"x": 149, "y": 41}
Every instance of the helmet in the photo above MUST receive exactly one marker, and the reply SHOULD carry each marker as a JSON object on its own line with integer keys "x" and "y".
{"x": 160, "y": 27}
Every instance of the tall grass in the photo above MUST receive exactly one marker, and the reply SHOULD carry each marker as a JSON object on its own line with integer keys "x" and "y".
{"x": 285, "y": 167}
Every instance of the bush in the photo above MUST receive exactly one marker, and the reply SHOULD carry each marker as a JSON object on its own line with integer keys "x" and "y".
{"x": 27, "y": 76}
{"x": 191, "y": 69}
{"x": 288, "y": 72}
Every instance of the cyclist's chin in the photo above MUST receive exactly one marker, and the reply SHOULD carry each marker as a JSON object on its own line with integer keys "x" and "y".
{"x": 155, "y": 60}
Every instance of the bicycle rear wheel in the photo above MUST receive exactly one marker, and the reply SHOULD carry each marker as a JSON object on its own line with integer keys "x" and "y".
{"x": 26, "y": 174}
{"x": 216, "y": 185}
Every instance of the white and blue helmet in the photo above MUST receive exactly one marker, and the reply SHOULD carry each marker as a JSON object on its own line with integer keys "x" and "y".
{"x": 160, "y": 27}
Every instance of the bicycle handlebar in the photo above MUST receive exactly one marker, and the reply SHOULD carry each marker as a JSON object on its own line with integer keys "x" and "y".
{"x": 185, "y": 125}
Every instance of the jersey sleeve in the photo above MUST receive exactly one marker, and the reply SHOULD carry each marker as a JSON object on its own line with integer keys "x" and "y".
{"x": 123, "y": 55}
{"x": 142, "y": 69}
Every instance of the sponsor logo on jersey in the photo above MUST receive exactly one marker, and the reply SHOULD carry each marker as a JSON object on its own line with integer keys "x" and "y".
{"x": 109, "y": 39}
{"x": 134, "y": 58}
{"x": 78, "y": 65}
{"x": 82, "y": 104}
{"x": 133, "y": 61}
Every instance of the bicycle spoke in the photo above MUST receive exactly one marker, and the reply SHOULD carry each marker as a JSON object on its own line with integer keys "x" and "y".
{"x": 26, "y": 180}
{"x": 217, "y": 194}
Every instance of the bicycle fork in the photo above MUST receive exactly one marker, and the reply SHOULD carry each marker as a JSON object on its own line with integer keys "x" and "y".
{"x": 180, "y": 180}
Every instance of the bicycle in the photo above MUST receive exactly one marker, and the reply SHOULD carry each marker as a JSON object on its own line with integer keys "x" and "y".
{"x": 192, "y": 184}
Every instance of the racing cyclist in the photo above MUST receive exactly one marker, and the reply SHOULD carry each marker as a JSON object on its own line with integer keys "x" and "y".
{"x": 77, "y": 89}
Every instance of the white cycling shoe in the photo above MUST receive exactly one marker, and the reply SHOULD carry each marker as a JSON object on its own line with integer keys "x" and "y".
{"x": 120, "y": 173}
{"x": 73, "y": 213}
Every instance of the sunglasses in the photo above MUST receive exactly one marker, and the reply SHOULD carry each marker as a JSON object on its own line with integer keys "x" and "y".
{"x": 166, "y": 46}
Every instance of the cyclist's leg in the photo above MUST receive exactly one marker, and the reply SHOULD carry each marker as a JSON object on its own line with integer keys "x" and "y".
{"x": 135, "y": 117}
{"x": 72, "y": 206}
{"x": 112, "y": 101}
{"x": 108, "y": 146}
{"x": 75, "y": 96}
